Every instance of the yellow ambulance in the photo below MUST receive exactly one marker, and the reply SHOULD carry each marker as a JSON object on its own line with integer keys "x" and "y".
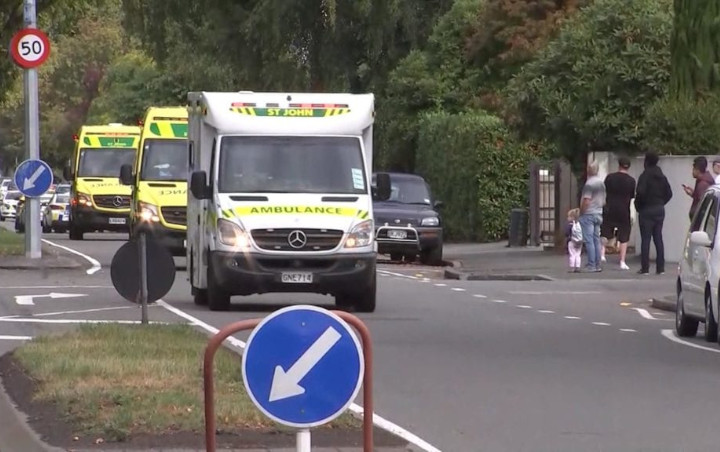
{"x": 159, "y": 178}
{"x": 98, "y": 202}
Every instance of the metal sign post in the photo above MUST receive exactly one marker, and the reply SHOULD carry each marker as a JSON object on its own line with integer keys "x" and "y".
{"x": 142, "y": 243}
{"x": 30, "y": 48}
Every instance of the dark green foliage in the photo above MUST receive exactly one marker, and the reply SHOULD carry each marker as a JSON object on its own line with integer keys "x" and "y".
{"x": 684, "y": 126}
{"x": 477, "y": 169}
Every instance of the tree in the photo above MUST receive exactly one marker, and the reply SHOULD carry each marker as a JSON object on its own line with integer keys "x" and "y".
{"x": 694, "y": 48}
{"x": 591, "y": 86}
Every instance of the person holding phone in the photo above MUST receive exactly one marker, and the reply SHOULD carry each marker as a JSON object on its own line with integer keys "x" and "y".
{"x": 703, "y": 181}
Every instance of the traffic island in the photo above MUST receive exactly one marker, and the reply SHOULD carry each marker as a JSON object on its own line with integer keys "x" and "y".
{"x": 12, "y": 255}
{"x": 115, "y": 386}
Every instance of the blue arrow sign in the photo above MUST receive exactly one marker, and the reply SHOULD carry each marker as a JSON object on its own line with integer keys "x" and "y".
{"x": 33, "y": 178}
{"x": 302, "y": 366}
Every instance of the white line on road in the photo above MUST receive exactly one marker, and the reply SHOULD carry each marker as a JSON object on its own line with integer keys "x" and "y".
{"x": 477, "y": 295}
{"x": 458, "y": 289}
{"x": 95, "y": 264}
{"x": 646, "y": 315}
{"x": 601, "y": 324}
{"x": 552, "y": 292}
{"x": 15, "y": 338}
{"x": 572, "y": 317}
{"x": 354, "y": 408}
{"x": 69, "y": 321}
{"x": 440, "y": 285}
{"x": 670, "y": 334}
{"x": 546, "y": 311}
{"x": 523, "y": 306}
{"x": 499, "y": 301}
{"x": 83, "y": 311}
{"x": 628, "y": 330}
{"x": 55, "y": 287}
{"x": 400, "y": 275}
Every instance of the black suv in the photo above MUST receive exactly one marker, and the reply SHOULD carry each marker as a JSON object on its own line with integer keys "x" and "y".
{"x": 407, "y": 224}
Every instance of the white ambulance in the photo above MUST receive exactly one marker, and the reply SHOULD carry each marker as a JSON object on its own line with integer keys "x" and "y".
{"x": 280, "y": 197}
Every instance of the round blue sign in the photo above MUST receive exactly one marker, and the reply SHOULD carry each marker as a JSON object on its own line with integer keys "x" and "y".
{"x": 303, "y": 366}
{"x": 33, "y": 178}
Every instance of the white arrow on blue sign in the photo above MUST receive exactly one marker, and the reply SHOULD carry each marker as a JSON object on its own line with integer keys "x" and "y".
{"x": 33, "y": 178}
{"x": 303, "y": 366}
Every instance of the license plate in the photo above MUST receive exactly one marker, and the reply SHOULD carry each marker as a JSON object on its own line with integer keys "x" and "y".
{"x": 117, "y": 221}
{"x": 397, "y": 234}
{"x": 297, "y": 278}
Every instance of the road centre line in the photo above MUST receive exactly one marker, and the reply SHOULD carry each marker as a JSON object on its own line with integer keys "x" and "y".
{"x": 601, "y": 324}
{"x": 628, "y": 330}
{"x": 546, "y": 311}
{"x": 670, "y": 334}
{"x": 440, "y": 285}
{"x": 572, "y": 317}
{"x": 458, "y": 289}
{"x": 523, "y": 306}
{"x": 499, "y": 301}
{"x": 356, "y": 409}
{"x": 477, "y": 295}
{"x": 95, "y": 264}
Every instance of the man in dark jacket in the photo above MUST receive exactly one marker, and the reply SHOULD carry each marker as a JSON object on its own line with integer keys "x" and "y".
{"x": 703, "y": 181}
{"x": 653, "y": 192}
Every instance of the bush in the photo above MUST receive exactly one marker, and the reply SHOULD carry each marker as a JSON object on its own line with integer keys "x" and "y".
{"x": 681, "y": 126}
{"x": 477, "y": 169}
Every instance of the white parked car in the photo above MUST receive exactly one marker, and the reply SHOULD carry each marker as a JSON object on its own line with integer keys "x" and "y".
{"x": 4, "y": 187}
{"x": 8, "y": 207}
{"x": 698, "y": 288}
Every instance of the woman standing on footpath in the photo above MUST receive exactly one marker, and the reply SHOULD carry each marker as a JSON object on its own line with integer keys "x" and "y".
{"x": 653, "y": 192}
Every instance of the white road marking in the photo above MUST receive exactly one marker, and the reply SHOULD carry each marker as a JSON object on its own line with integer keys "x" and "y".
{"x": 572, "y": 317}
{"x": 28, "y": 300}
{"x": 354, "y": 408}
{"x": 400, "y": 275}
{"x": 628, "y": 330}
{"x": 95, "y": 264}
{"x": 523, "y": 306}
{"x": 646, "y": 315}
{"x": 499, "y": 301}
{"x": 440, "y": 285}
{"x": 83, "y": 311}
{"x": 70, "y": 321}
{"x": 601, "y": 324}
{"x": 15, "y": 338}
{"x": 56, "y": 287}
{"x": 477, "y": 295}
{"x": 670, "y": 334}
{"x": 545, "y": 311}
{"x": 458, "y": 289}
{"x": 552, "y": 292}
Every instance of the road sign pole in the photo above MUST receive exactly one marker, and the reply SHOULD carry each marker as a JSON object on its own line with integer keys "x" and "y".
{"x": 303, "y": 440}
{"x": 32, "y": 144}
{"x": 142, "y": 243}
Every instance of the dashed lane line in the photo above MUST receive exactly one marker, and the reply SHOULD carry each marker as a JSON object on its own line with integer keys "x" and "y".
{"x": 601, "y": 324}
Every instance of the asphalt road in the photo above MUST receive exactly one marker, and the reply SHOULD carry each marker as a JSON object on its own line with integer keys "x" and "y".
{"x": 466, "y": 365}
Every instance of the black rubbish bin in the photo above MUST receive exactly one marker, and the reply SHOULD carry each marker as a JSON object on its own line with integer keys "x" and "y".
{"x": 518, "y": 233}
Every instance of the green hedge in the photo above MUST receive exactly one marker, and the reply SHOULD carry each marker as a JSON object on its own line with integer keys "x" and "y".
{"x": 477, "y": 169}
{"x": 681, "y": 126}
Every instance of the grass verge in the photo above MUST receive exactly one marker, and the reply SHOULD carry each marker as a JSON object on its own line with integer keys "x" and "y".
{"x": 116, "y": 380}
{"x": 11, "y": 244}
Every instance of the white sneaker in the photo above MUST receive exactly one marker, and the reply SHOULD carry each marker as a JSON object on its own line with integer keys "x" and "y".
{"x": 602, "y": 259}
{"x": 623, "y": 266}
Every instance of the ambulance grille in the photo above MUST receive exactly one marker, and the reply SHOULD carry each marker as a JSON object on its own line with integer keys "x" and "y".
{"x": 292, "y": 239}
{"x": 175, "y": 215}
{"x": 112, "y": 201}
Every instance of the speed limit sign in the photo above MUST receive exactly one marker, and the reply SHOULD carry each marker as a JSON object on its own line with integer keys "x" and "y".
{"x": 30, "y": 48}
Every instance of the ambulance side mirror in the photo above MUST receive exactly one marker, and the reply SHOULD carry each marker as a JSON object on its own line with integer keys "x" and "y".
{"x": 382, "y": 190}
{"x": 198, "y": 185}
{"x": 126, "y": 175}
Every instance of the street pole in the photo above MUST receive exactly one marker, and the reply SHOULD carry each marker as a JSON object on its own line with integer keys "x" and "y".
{"x": 142, "y": 243}
{"x": 32, "y": 143}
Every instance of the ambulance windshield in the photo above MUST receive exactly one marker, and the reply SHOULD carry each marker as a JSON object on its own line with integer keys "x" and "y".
{"x": 282, "y": 164}
{"x": 104, "y": 162}
{"x": 165, "y": 160}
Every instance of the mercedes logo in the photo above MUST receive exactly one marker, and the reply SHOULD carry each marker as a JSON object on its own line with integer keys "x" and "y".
{"x": 297, "y": 239}
{"x": 117, "y": 201}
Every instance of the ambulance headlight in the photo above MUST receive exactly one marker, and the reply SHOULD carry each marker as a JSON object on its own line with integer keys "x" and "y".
{"x": 148, "y": 212}
{"x": 231, "y": 234}
{"x": 361, "y": 235}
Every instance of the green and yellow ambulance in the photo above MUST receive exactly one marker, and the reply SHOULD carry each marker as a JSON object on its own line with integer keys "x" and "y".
{"x": 159, "y": 178}
{"x": 98, "y": 202}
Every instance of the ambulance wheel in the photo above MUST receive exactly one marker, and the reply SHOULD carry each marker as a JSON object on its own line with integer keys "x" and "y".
{"x": 217, "y": 298}
{"x": 200, "y": 296}
{"x": 75, "y": 233}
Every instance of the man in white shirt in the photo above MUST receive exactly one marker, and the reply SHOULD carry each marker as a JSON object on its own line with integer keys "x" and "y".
{"x": 716, "y": 169}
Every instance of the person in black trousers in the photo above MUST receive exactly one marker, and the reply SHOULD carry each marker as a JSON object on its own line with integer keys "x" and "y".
{"x": 652, "y": 193}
